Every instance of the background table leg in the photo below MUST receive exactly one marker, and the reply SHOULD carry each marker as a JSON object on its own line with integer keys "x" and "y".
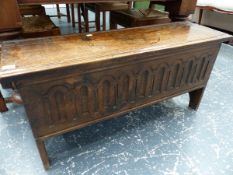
{"x": 104, "y": 20}
{"x": 113, "y": 24}
{"x": 97, "y": 19}
{"x": 68, "y": 12}
{"x": 58, "y": 11}
{"x": 79, "y": 18}
{"x": 72, "y": 15}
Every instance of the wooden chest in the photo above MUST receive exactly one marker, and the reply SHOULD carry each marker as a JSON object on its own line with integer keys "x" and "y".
{"x": 69, "y": 82}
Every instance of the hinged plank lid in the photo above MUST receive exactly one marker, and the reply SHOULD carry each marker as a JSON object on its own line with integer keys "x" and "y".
{"x": 37, "y": 55}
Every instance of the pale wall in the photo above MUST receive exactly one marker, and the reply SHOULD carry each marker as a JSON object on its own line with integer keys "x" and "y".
{"x": 215, "y": 19}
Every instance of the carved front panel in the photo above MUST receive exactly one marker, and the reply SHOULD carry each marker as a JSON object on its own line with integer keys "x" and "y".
{"x": 64, "y": 103}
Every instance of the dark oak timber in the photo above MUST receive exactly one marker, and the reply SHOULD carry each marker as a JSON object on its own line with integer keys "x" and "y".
{"x": 69, "y": 82}
{"x": 9, "y": 15}
{"x": 43, "y": 153}
{"x": 195, "y": 98}
{"x": 179, "y": 10}
{"x": 10, "y": 19}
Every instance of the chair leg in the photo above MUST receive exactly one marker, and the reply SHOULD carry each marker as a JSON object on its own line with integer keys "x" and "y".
{"x": 86, "y": 20}
{"x": 200, "y": 16}
{"x": 68, "y": 12}
{"x": 97, "y": 19}
{"x": 113, "y": 24}
{"x": 85, "y": 16}
{"x": 72, "y": 15}
{"x": 79, "y": 18}
{"x": 195, "y": 98}
{"x": 104, "y": 20}
{"x": 58, "y": 11}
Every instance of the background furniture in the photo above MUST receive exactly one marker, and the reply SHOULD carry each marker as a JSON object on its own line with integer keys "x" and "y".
{"x": 97, "y": 8}
{"x": 142, "y": 4}
{"x": 104, "y": 7}
{"x": 219, "y": 6}
{"x": 32, "y": 10}
{"x": 10, "y": 18}
{"x": 38, "y": 26}
{"x": 59, "y": 14}
{"x": 134, "y": 18}
{"x": 81, "y": 12}
{"x": 178, "y": 9}
{"x": 35, "y": 23}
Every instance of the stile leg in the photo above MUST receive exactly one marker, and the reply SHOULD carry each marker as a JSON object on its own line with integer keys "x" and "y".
{"x": 43, "y": 153}
{"x": 195, "y": 98}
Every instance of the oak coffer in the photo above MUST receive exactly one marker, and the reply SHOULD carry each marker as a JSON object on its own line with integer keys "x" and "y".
{"x": 68, "y": 82}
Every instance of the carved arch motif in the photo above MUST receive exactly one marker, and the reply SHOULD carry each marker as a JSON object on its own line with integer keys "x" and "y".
{"x": 107, "y": 94}
{"x": 125, "y": 88}
{"x": 175, "y": 75}
{"x": 114, "y": 90}
{"x": 161, "y": 79}
{"x": 59, "y": 103}
{"x": 144, "y": 83}
{"x": 84, "y": 100}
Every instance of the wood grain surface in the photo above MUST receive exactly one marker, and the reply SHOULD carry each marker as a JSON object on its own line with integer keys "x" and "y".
{"x": 35, "y": 55}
